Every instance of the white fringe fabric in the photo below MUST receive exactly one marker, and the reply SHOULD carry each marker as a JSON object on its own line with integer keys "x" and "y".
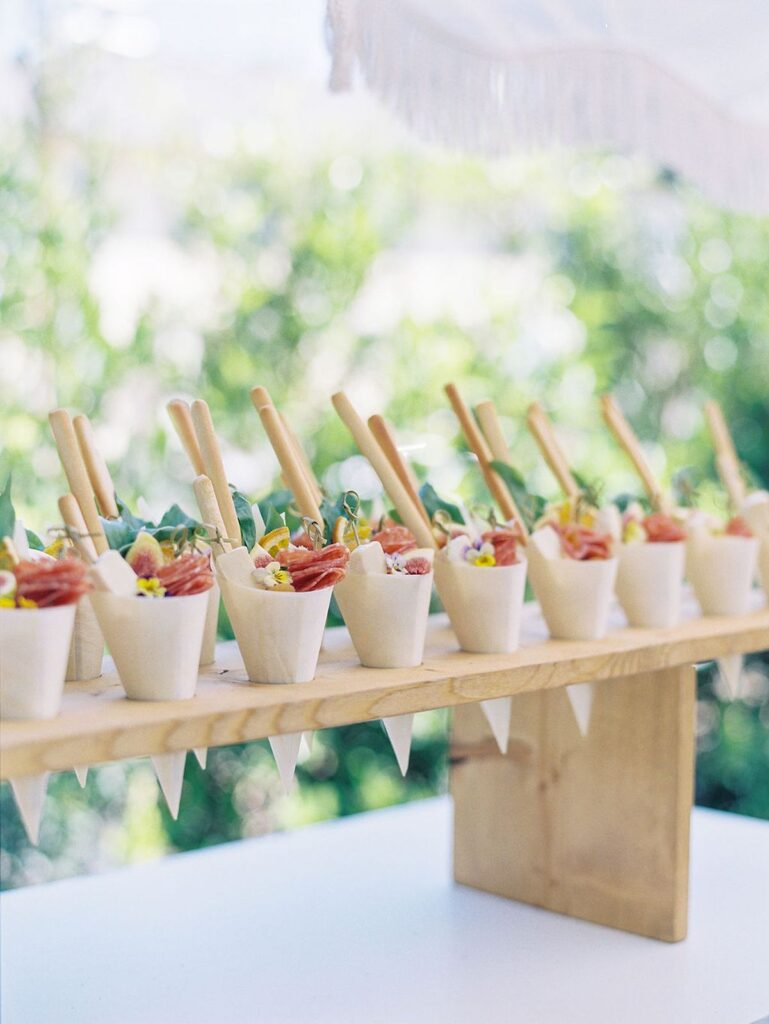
{"x": 451, "y": 91}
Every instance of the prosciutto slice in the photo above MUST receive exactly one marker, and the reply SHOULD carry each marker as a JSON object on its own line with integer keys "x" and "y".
{"x": 314, "y": 570}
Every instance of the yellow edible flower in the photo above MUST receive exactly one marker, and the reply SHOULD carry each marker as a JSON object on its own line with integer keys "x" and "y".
{"x": 150, "y": 587}
{"x": 55, "y": 548}
{"x": 7, "y": 602}
{"x": 485, "y": 560}
{"x": 24, "y": 602}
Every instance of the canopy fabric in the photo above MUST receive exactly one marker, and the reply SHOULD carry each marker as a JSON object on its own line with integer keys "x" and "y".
{"x": 687, "y": 85}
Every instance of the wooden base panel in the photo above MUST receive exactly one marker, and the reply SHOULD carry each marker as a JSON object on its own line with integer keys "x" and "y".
{"x": 595, "y": 827}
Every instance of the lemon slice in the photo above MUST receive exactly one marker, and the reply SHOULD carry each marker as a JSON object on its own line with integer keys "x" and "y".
{"x": 275, "y": 540}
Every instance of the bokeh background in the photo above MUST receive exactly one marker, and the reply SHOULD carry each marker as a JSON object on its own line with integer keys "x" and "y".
{"x": 185, "y": 211}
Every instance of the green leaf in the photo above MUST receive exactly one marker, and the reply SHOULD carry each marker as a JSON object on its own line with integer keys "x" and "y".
{"x": 34, "y": 541}
{"x": 245, "y": 518}
{"x": 531, "y": 506}
{"x": 592, "y": 490}
{"x": 176, "y": 516}
{"x": 330, "y": 511}
{"x": 128, "y": 518}
{"x": 7, "y": 514}
{"x": 273, "y": 520}
{"x": 119, "y": 533}
{"x": 433, "y": 502}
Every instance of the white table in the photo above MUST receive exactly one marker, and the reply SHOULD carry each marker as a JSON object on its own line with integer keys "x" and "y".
{"x": 357, "y": 921}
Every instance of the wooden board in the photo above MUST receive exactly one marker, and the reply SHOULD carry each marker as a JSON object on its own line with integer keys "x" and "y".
{"x": 596, "y": 828}
{"x": 98, "y": 724}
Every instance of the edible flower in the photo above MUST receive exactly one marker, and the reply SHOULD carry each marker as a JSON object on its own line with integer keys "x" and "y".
{"x": 273, "y": 577}
{"x": 481, "y": 553}
{"x": 26, "y": 602}
{"x": 149, "y": 586}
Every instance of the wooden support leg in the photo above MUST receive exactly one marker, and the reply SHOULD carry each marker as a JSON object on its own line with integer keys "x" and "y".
{"x": 597, "y": 828}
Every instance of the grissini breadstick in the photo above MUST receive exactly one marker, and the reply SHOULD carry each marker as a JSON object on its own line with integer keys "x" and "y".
{"x": 98, "y": 473}
{"x": 181, "y": 417}
{"x": 407, "y": 510}
{"x": 214, "y": 466}
{"x": 549, "y": 446}
{"x": 209, "y": 513}
{"x": 619, "y": 426}
{"x": 491, "y": 428}
{"x": 73, "y": 518}
{"x": 480, "y": 449}
{"x": 77, "y": 475}
{"x": 727, "y": 461}
{"x": 260, "y": 397}
{"x": 290, "y": 465}
{"x": 385, "y": 438}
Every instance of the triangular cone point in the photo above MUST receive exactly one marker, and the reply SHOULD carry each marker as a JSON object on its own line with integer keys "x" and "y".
{"x": 730, "y": 668}
{"x": 399, "y": 729}
{"x": 201, "y": 756}
{"x": 81, "y": 774}
{"x": 497, "y": 712}
{"x": 29, "y": 794}
{"x": 581, "y": 699}
{"x": 169, "y": 769}
{"x": 285, "y": 750}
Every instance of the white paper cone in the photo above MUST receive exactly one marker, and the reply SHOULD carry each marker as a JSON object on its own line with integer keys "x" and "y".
{"x": 201, "y": 756}
{"x": 756, "y": 512}
{"x": 155, "y": 642}
{"x": 721, "y": 569}
{"x": 169, "y": 769}
{"x": 279, "y": 634}
{"x": 81, "y": 774}
{"x": 483, "y": 603}
{"x": 575, "y": 597}
{"x": 730, "y": 667}
{"x": 307, "y": 742}
{"x": 497, "y": 712}
{"x": 399, "y": 729}
{"x": 763, "y": 565}
{"x": 581, "y": 699}
{"x": 29, "y": 794}
{"x": 86, "y": 650}
{"x": 386, "y": 616}
{"x": 285, "y": 750}
{"x": 34, "y": 644}
{"x": 208, "y": 650}
{"x": 650, "y": 580}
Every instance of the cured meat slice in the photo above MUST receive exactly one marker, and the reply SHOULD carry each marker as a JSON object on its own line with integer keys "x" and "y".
{"x": 661, "y": 528}
{"x": 51, "y": 582}
{"x": 314, "y": 570}
{"x": 189, "y": 574}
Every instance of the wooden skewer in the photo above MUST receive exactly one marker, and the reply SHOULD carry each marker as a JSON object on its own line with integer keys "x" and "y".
{"x": 214, "y": 466}
{"x": 209, "y": 512}
{"x": 98, "y": 472}
{"x": 181, "y": 417}
{"x": 260, "y": 397}
{"x": 366, "y": 442}
{"x": 491, "y": 428}
{"x": 77, "y": 475}
{"x": 619, "y": 426}
{"x": 480, "y": 449}
{"x": 73, "y": 518}
{"x": 727, "y": 460}
{"x": 549, "y": 446}
{"x": 290, "y": 465}
{"x": 385, "y": 438}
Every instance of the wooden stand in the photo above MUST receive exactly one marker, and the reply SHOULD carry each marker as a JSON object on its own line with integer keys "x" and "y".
{"x": 597, "y": 828}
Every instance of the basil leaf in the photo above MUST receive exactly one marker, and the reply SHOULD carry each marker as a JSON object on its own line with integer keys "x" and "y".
{"x": 7, "y": 514}
{"x": 433, "y": 502}
{"x": 273, "y": 520}
{"x": 34, "y": 541}
{"x": 119, "y": 533}
{"x": 245, "y": 518}
{"x": 128, "y": 518}
{"x": 531, "y": 506}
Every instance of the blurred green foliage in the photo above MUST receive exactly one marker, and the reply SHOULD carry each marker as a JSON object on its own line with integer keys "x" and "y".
{"x": 388, "y": 277}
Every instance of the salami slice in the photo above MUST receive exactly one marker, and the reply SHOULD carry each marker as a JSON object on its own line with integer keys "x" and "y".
{"x": 505, "y": 544}
{"x": 314, "y": 570}
{"x": 582, "y": 543}
{"x": 663, "y": 529}
{"x": 51, "y": 582}
{"x": 396, "y": 539}
{"x": 189, "y": 574}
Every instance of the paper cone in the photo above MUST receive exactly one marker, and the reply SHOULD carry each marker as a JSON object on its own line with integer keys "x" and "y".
{"x": 34, "y": 644}
{"x": 650, "y": 580}
{"x": 497, "y": 712}
{"x": 86, "y": 651}
{"x": 208, "y": 650}
{"x": 29, "y": 794}
{"x": 763, "y": 565}
{"x": 483, "y": 603}
{"x": 154, "y": 641}
{"x": 575, "y": 597}
{"x": 399, "y": 729}
{"x": 201, "y": 756}
{"x": 730, "y": 668}
{"x": 279, "y": 634}
{"x": 81, "y": 774}
{"x": 581, "y": 699}
{"x": 285, "y": 750}
{"x": 386, "y": 616}
{"x": 721, "y": 569}
{"x": 307, "y": 742}
{"x": 169, "y": 769}
{"x": 756, "y": 512}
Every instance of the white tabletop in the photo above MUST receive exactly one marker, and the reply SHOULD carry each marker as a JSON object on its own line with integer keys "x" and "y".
{"x": 358, "y": 921}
